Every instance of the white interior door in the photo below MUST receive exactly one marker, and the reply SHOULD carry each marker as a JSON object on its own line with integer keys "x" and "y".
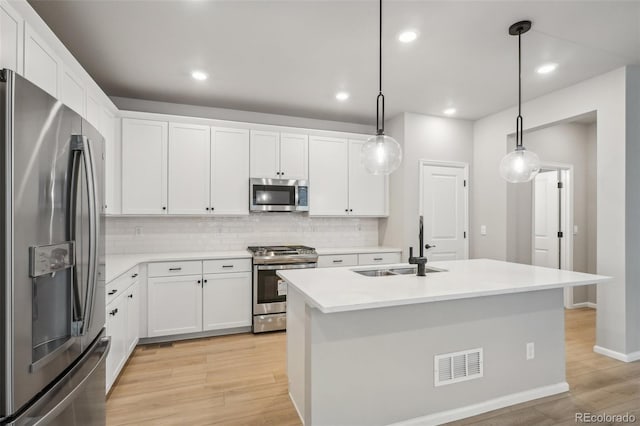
{"x": 444, "y": 207}
{"x": 546, "y": 221}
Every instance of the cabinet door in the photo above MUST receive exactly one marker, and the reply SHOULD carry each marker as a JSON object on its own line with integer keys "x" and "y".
{"x": 11, "y": 24}
{"x": 230, "y": 171}
{"x": 174, "y": 305}
{"x": 294, "y": 156}
{"x": 226, "y": 300}
{"x": 328, "y": 176}
{"x": 116, "y": 328}
{"x": 367, "y": 192}
{"x": 73, "y": 93}
{"x": 113, "y": 169}
{"x": 133, "y": 318}
{"x": 265, "y": 155}
{"x": 42, "y": 67}
{"x": 189, "y": 169}
{"x": 144, "y": 167}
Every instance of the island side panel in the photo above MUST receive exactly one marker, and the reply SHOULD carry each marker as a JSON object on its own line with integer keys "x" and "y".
{"x": 376, "y": 366}
{"x": 296, "y": 326}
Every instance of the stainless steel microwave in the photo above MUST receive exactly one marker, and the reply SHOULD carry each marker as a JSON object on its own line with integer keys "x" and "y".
{"x": 278, "y": 195}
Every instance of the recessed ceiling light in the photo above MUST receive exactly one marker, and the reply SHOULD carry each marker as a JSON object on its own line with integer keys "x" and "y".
{"x": 547, "y": 68}
{"x": 449, "y": 111}
{"x": 199, "y": 75}
{"x": 407, "y": 36}
{"x": 342, "y": 96}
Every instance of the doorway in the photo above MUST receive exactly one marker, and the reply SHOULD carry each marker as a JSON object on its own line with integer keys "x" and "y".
{"x": 444, "y": 200}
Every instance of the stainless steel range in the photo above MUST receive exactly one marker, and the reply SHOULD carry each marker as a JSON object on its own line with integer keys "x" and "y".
{"x": 269, "y": 290}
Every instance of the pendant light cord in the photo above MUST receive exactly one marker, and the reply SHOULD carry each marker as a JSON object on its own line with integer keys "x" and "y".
{"x": 380, "y": 98}
{"x": 519, "y": 125}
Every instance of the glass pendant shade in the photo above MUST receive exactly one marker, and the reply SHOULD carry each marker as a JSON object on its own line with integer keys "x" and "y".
{"x": 381, "y": 155}
{"x": 519, "y": 166}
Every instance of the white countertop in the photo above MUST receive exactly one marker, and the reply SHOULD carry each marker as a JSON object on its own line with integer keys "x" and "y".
{"x": 118, "y": 264}
{"x": 341, "y": 289}
{"x": 356, "y": 250}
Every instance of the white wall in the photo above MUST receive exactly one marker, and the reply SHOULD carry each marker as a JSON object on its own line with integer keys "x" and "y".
{"x": 185, "y": 234}
{"x": 604, "y": 94}
{"x": 140, "y": 105}
{"x": 423, "y": 138}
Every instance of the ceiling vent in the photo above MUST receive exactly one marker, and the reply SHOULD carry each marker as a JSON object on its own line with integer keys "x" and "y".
{"x": 457, "y": 367}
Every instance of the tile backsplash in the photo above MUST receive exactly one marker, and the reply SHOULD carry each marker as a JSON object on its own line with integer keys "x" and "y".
{"x": 126, "y": 234}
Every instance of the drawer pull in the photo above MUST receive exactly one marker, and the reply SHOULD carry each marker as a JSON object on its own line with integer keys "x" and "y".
{"x": 227, "y": 266}
{"x": 112, "y": 292}
{"x": 175, "y": 269}
{"x": 130, "y": 296}
{"x": 134, "y": 275}
{"x": 337, "y": 261}
{"x": 377, "y": 258}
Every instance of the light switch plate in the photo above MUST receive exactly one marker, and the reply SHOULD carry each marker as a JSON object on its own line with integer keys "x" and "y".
{"x": 483, "y": 229}
{"x": 531, "y": 351}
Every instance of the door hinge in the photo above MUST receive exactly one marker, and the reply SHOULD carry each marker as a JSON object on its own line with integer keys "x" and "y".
{"x": 560, "y": 185}
{"x": 560, "y": 234}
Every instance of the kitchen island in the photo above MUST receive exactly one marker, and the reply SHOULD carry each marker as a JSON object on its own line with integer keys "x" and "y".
{"x": 401, "y": 349}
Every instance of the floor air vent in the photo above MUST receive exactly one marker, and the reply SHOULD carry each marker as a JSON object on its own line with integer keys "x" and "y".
{"x": 457, "y": 367}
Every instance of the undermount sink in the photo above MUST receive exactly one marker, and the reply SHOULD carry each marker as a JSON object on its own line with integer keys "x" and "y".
{"x": 393, "y": 271}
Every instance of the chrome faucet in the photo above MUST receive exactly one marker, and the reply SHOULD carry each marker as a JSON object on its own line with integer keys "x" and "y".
{"x": 421, "y": 260}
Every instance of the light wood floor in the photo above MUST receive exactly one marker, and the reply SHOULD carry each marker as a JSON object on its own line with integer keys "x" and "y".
{"x": 241, "y": 380}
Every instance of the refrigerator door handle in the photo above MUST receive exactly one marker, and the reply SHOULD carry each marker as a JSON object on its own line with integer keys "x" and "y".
{"x": 81, "y": 148}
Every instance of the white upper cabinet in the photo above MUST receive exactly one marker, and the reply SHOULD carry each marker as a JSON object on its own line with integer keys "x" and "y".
{"x": 73, "y": 94}
{"x": 11, "y": 41}
{"x": 294, "y": 156}
{"x": 328, "y": 176}
{"x": 41, "y": 65}
{"x": 279, "y": 155}
{"x": 94, "y": 111}
{"x": 367, "y": 192}
{"x": 144, "y": 166}
{"x": 111, "y": 132}
{"x": 229, "y": 171}
{"x": 188, "y": 185}
{"x": 265, "y": 155}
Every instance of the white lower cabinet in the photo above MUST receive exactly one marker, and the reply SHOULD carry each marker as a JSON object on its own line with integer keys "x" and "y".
{"x": 199, "y": 302}
{"x": 226, "y": 300}
{"x": 355, "y": 259}
{"x": 174, "y": 305}
{"x": 122, "y": 323}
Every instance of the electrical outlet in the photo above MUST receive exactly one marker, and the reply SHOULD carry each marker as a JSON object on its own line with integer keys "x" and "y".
{"x": 531, "y": 351}
{"x": 483, "y": 229}
{"x": 138, "y": 230}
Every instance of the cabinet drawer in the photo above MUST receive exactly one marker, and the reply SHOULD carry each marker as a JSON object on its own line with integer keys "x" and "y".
{"x": 116, "y": 287}
{"x": 378, "y": 258}
{"x": 226, "y": 265}
{"x": 329, "y": 261}
{"x": 168, "y": 269}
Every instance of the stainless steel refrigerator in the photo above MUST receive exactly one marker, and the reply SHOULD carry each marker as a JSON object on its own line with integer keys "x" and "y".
{"x": 52, "y": 301}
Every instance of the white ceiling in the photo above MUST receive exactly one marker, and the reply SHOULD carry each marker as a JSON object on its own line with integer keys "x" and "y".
{"x": 291, "y": 57}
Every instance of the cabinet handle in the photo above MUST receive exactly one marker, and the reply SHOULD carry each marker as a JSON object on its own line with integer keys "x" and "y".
{"x": 130, "y": 296}
{"x": 175, "y": 269}
{"x": 227, "y": 266}
{"x": 164, "y": 208}
{"x": 112, "y": 292}
{"x": 205, "y": 281}
{"x": 199, "y": 281}
{"x": 134, "y": 275}
{"x": 113, "y": 312}
{"x": 350, "y": 210}
{"x": 346, "y": 210}
{"x": 337, "y": 261}
{"x": 377, "y": 258}
{"x": 206, "y": 208}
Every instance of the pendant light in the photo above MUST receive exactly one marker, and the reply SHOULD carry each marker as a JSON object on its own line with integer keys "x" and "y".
{"x": 520, "y": 165}
{"x": 381, "y": 154}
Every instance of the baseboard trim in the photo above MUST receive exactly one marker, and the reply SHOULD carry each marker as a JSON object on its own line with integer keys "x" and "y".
{"x": 188, "y": 336}
{"x": 583, "y": 305}
{"x": 293, "y": 401}
{"x": 630, "y": 357}
{"x": 483, "y": 407}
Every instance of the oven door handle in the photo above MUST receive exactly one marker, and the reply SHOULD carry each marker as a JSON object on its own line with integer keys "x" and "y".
{"x": 288, "y": 266}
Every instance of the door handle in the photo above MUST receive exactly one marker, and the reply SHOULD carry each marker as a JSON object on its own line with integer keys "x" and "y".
{"x": 429, "y": 246}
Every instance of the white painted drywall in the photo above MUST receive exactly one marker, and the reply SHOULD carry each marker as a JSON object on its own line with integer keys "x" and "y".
{"x": 422, "y": 138}
{"x": 604, "y": 94}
